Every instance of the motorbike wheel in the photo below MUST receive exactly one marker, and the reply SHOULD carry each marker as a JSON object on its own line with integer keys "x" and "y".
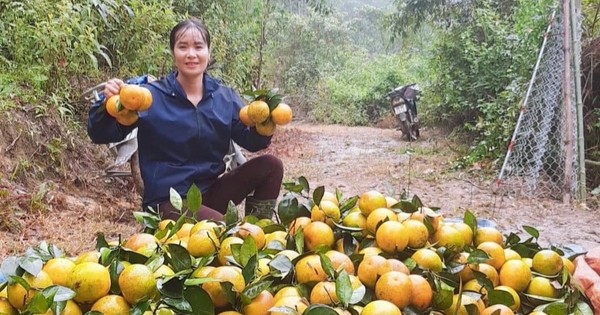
{"x": 409, "y": 131}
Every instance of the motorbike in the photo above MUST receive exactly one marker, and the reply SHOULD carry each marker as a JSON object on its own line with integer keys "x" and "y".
{"x": 404, "y": 105}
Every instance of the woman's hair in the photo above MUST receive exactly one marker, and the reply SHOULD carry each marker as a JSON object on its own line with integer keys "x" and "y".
{"x": 185, "y": 25}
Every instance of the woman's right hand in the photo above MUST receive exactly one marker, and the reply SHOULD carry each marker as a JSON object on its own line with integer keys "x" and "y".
{"x": 112, "y": 87}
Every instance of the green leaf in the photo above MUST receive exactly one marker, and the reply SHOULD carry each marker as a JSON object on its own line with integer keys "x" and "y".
{"x": 172, "y": 287}
{"x": 175, "y": 199}
{"x": 470, "y": 219}
{"x": 319, "y": 309}
{"x": 229, "y": 290}
{"x": 178, "y": 257}
{"x": 38, "y": 304}
{"x": 231, "y": 216}
{"x": 253, "y": 290}
{"x": 247, "y": 250}
{"x": 442, "y": 299}
{"x": 140, "y": 308}
{"x": 343, "y": 288}
{"x": 557, "y": 308}
{"x": 318, "y": 195}
{"x": 194, "y": 199}
{"x": 9, "y": 266}
{"x": 58, "y": 293}
{"x": 348, "y": 204}
{"x": 114, "y": 270}
{"x": 500, "y": 297}
{"x": 32, "y": 265}
{"x": 299, "y": 241}
{"x": 180, "y": 305}
{"x": 407, "y": 206}
{"x": 416, "y": 201}
{"x": 477, "y": 256}
{"x": 532, "y": 231}
{"x": 327, "y": 265}
{"x": 288, "y": 209}
{"x": 281, "y": 264}
{"x": 304, "y": 183}
{"x": 199, "y": 300}
{"x": 198, "y": 281}
{"x": 101, "y": 241}
{"x": 582, "y": 308}
{"x": 357, "y": 295}
{"x": 249, "y": 270}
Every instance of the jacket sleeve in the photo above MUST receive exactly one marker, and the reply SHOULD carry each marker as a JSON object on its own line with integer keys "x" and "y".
{"x": 102, "y": 128}
{"x": 245, "y": 136}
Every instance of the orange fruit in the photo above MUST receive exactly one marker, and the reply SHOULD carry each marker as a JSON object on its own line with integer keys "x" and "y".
{"x": 127, "y": 117}
{"x": 418, "y": 235}
{"x": 287, "y": 291}
{"x": 378, "y": 216}
{"x": 143, "y": 243}
{"x": 466, "y": 273}
{"x": 380, "y": 307}
{"x": 427, "y": 259}
{"x": 309, "y": 270}
{"x": 435, "y": 219}
{"x": 206, "y": 225}
{"x": 90, "y": 281}
{"x": 247, "y": 229}
{"x": 6, "y": 308}
{"x": 163, "y": 271}
{"x": 223, "y": 273}
{"x": 547, "y": 262}
{"x": 488, "y": 234}
{"x": 496, "y": 253}
{"x": 340, "y": 261}
{"x": 260, "y": 304}
{"x": 318, "y": 234}
{"x": 393, "y": 264}
{"x": 113, "y": 106}
{"x": 111, "y": 305}
{"x": 203, "y": 243}
{"x": 569, "y": 265}
{"x": 133, "y": 97}
{"x": 327, "y": 212}
{"x": 59, "y": 269}
{"x": 497, "y": 309}
{"x": 147, "y": 100}
{"x": 395, "y": 287}
{"x": 456, "y": 309}
{"x": 355, "y": 219}
{"x": 515, "y": 274}
{"x": 225, "y": 249}
{"x": 185, "y": 230}
{"x": 202, "y": 272}
{"x": 298, "y": 304}
{"x": 137, "y": 283}
{"x": 329, "y": 196}
{"x": 297, "y": 224}
{"x": 324, "y": 293}
{"x": 465, "y": 230}
{"x": 19, "y": 297}
{"x": 448, "y": 236}
{"x": 282, "y": 114}
{"x": 266, "y": 128}
{"x": 421, "y": 292}
{"x": 258, "y": 111}
{"x": 490, "y": 272}
{"x": 541, "y": 286}
{"x": 368, "y": 269}
{"x": 244, "y": 118}
{"x": 371, "y": 200}
{"x": 511, "y": 254}
{"x": 391, "y": 236}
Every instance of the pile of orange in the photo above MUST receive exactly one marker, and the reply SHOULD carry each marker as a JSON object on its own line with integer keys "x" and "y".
{"x": 362, "y": 255}
{"x": 258, "y": 114}
{"x": 124, "y": 107}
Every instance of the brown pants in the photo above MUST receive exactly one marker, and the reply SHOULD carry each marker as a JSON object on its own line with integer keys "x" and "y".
{"x": 262, "y": 174}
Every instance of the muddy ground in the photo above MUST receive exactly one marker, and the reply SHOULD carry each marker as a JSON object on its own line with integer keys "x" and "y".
{"x": 351, "y": 159}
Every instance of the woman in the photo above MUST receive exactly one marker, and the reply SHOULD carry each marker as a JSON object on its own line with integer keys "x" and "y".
{"x": 184, "y": 136}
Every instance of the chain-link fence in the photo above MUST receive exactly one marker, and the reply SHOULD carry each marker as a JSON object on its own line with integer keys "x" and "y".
{"x": 542, "y": 157}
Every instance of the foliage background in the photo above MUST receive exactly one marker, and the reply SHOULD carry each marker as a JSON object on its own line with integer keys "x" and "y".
{"x": 335, "y": 60}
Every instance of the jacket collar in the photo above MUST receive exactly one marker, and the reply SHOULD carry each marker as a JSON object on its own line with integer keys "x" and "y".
{"x": 170, "y": 85}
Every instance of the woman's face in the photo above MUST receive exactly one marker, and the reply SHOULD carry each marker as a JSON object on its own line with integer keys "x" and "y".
{"x": 191, "y": 53}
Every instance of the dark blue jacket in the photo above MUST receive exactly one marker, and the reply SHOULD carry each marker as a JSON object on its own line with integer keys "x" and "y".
{"x": 178, "y": 143}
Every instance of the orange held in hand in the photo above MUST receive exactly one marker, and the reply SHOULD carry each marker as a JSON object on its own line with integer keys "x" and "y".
{"x": 282, "y": 114}
{"x": 258, "y": 111}
{"x": 245, "y": 118}
{"x": 135, "y": 97}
